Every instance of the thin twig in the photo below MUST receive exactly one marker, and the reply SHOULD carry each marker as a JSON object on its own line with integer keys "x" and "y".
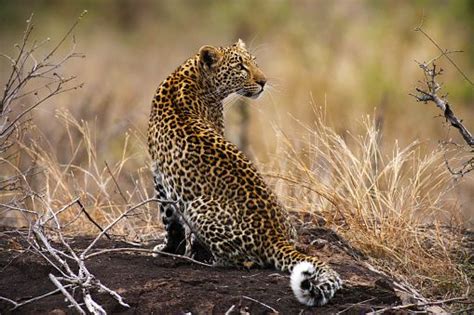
{"x": 83, "y": 209}
{"x": 36, "y": 298}
{"x": 18, "y": 208}
{"x": 124, "y": 214}
{"x": 263, "y": 304}
{"x": 229, "y": 311}
{"x": 405, "y": 306}
{"x": 64, "y": 208}
{"x": 66, "y": 35}
{"x": 116, "y": 183}
{"x": 443, "y": 52}
{"x": 354, "y": 305}
{"x": 145, "y": 250}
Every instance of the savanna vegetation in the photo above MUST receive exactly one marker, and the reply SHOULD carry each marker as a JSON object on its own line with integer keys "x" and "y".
{"x": 336, "y": 134}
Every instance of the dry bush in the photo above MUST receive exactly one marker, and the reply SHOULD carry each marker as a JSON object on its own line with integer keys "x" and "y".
{"x": 104, "y": 190}
{"x": 394, "y": 206}
{"x": 50, "y": 196}
{"x": 38, "y": 174}
{"x": 36, "y": 76}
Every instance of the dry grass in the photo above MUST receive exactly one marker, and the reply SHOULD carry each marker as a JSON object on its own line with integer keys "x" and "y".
{"x": 395, "y": 207}
{"x": 103, "y": 188}
{"x": 391, "y": 202}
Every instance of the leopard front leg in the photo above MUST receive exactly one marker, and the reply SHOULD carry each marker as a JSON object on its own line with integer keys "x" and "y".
{"x": 194, "y": 248}
{"x": 175, "y": 232}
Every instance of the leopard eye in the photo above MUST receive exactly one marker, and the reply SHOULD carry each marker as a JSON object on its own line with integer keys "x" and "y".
{"x": 243, "y": 68}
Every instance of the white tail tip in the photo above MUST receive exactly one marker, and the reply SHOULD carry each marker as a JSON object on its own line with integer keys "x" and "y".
{"x": 314, "y": 286}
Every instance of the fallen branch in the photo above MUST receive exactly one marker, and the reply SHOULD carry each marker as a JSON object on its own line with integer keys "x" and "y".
{"x": 229, "y": 311}
{"x": 65, "y": 292}
{"x": 123, "y": 215}
{"x": 36, "y": 298}
{"x": 145, "y": 250}
{"x": 263, "y": 304}
{"x": 405, "y": 306}
{"x": 74, "y": 274}
{"x": 82, "y": 279}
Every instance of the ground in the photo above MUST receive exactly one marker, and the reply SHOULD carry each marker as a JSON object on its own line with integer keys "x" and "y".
{"x": 167, "y": 285}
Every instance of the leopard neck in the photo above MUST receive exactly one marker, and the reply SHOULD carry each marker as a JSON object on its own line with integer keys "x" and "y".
{"x": 187, "y": 92}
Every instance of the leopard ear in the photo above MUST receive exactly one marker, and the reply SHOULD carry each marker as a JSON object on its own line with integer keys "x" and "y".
{"x": 240, "y": 43}
{"x": 209, "y": 56}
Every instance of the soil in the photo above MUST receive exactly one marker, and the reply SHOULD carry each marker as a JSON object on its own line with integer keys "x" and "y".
{"x": 167, "y": 285}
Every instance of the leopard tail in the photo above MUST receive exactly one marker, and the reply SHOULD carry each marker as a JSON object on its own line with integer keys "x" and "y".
{"x": 313, "y": 282}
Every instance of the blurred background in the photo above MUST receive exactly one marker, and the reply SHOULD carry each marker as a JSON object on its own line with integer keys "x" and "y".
{"x": 354, "y": 58}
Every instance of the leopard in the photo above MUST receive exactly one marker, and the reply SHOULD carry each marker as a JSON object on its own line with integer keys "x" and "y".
{"x": 214, "y": 191}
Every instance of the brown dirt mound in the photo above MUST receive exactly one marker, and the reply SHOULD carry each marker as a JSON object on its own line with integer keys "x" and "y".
{"x": 165, "y": 285}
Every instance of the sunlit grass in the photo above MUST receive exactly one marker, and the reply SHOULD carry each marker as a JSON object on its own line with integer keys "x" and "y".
{"x": 104, "y": 187}
{"x": 391, "y": 202}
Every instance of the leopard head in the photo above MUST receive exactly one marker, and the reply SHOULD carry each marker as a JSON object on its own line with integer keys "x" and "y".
{"x": 231, "y": 69}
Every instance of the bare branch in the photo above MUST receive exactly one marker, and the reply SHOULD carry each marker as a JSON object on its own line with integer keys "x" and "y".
{"x": 31, "y": 76}
{"x": 263, "y": 304}
{"x": 443, "y": 52}
{"x": 68, "y": 296}
{"x": 36, "y": 298}
{"x": 405, "y": 306}
{"x": 431, "y": 94}
{"x": 145, "y": 250}
{"x": 124, "y": 214}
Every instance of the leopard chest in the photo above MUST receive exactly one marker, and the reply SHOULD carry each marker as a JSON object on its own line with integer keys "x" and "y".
{"x": 178, "y": 162}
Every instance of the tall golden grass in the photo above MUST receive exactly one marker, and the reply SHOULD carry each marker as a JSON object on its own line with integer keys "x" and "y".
{"x": 392, "y": 204}
{"x": 394, "y": 207}
{"x": 105, "y": 188}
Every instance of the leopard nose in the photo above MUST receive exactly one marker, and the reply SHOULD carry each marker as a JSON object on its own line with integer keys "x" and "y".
{"x": 261, "y": 82}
